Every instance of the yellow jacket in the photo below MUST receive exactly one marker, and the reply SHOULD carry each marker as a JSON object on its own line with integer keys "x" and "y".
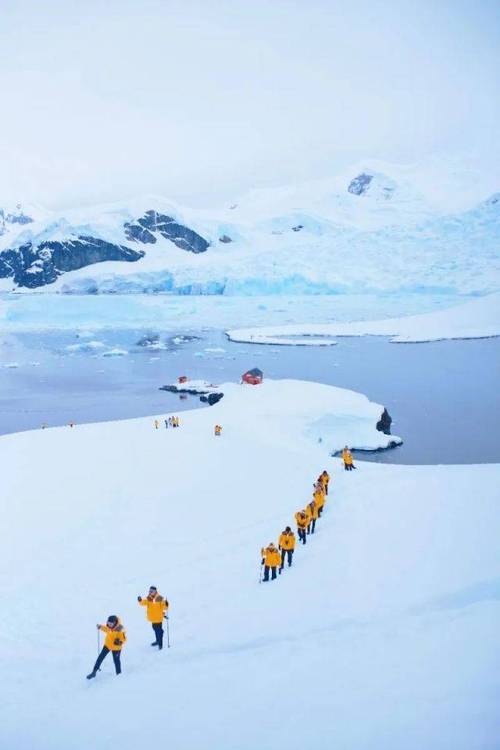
{"x": 271, "y": 556}
{"x": 287, "y": 541}
{"x": 313, "y": 510}
{"x": 114, "y": 634}
{"x": 302, "y": 519}
{"x": 347, "y": 456}
{"x": 319, "y": 498}
{"x": 155, "y": 607}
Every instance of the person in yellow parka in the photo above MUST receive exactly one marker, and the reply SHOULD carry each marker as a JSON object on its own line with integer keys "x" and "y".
{"x": 347, "y": 459}
{"x": 302, "y": 522}
{"x": 271, "y": 560}
{"x": 319, "y": 498}
{"x": 156, "y": 609}
{"x": 287, "y": 545}
{"x": 313, "y": 514}
{"x": 115, "y": 638}
{"x": 325, "y": 480}
{"x": 308, "y": 513}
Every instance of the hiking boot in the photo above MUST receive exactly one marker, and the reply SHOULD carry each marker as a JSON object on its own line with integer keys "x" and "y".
{"x": 91, "y": 676}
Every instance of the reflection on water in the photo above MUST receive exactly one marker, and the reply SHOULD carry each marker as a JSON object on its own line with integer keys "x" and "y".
{"x": 443, "y": 396}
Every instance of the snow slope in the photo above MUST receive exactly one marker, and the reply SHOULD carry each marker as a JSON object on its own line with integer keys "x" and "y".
{"x": 383, "y": 635}
{"x": 479, "y": 318}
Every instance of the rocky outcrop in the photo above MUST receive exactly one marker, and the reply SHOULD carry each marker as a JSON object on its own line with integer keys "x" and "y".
{"x": 384, "y": 423}
{"x": 211, "y": 398}
{"x": 152, "y": 223}
{"x": 225, "y": 238}
{"x": 34, "y": 266}
{"x": 13, "y": 217}
{"x": 208, "y": 397}
{"x": 360, "y": 184}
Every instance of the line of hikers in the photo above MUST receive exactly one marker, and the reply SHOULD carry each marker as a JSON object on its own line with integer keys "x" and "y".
{"x": 169, "y": 422}
{"x": 156, "y": 611}
{"x": 273, "y": 558}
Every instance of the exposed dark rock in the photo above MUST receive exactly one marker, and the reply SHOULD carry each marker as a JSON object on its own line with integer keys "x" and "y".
{"x": 207, "y": 398}
{"x": 384, "y": 423}
{"x": 32, "y": 267}
{"x": 138, "y": 233}
{"x": 360, "y": 184}
{"x": 225, "y": 238}
{"x": 144, "y": 228}
{"x": 19, "y": 218}
{"x": 297, "y": 228}
{"x": 211, "y": 398}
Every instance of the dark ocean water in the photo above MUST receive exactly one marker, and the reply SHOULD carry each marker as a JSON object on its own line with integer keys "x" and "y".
{"x": 442, "y": 396}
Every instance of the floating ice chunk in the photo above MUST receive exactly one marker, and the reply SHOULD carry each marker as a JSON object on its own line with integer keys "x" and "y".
{"x": 11, "y": 365}
{"x": 115, "y": 353}
{"x": 88, "y": 346}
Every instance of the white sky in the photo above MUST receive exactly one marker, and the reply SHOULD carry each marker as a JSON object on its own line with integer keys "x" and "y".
{"x": 200, "y": 100}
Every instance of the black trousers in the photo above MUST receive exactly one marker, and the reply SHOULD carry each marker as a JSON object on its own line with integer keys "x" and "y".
{"x": 102, "y": 656}
{"x": 312, "y": 525}
{"x": 267, "y": 568}
{"x": 320, "y": 511}
{"x": 348, "y": 467}
{"x": 302, "y": 534}
{"x": 286, "y": 553}
{"x": 158, "y": 631}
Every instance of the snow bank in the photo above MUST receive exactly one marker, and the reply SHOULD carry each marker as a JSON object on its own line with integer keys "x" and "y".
{"x": 479, "y": 318}
{"x": 383, "y": 635}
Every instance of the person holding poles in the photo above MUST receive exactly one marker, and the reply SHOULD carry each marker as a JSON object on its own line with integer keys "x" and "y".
{"x": 287, "y": 545}
{"x": 115, "y": 638}
{"x": 156, "y": 609}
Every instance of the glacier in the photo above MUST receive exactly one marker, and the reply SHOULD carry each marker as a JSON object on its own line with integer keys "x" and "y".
{"x": 324, "y": 238}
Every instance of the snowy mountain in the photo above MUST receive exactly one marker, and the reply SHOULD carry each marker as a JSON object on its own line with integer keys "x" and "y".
{"x": 362, "y": 231}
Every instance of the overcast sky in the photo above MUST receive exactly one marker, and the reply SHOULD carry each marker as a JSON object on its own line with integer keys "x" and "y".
{"x": 201, "y": 99}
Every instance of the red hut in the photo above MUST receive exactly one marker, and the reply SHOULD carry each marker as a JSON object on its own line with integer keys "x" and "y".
{"x": 254, "y": 377}
{"x": 182, "y": 379}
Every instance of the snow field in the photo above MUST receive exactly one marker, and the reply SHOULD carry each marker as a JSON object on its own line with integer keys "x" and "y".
{"x": 383, "y": 634}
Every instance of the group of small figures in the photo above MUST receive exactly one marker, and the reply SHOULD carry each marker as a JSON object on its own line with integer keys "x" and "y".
{"x": 273, "y": 558}
{"x": 169, "y": 422}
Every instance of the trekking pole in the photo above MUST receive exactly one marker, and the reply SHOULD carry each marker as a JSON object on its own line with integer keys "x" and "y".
{"x": 260, "y": 574}
{"x": 98, "y": 641}
{"x": 168, "y": 632}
